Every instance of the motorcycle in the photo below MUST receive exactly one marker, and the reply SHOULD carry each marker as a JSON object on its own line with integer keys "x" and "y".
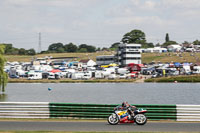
{"x": 123, "y": 116}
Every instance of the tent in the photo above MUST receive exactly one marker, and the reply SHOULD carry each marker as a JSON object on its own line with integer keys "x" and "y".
{"x": 55, "y": 70}
{"x": 177, "y": 64}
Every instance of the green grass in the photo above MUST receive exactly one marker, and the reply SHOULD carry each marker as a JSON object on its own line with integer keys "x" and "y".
{"x": 81, "y": 132}
{"x": 170, "y": 57}
{"x": 180, "y": 78}
{"x": 146, "y": 57}
{"x": 70, "y": 81}
{"x": 25, "y": 58}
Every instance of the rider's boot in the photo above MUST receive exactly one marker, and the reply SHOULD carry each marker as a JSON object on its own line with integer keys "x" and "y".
{"x": 131, "y": 117}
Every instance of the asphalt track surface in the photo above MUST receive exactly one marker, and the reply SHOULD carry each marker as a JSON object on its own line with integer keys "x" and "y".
{"x": 97, "y": 126}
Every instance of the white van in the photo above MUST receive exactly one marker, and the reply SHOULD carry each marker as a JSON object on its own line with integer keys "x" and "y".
{"x": 122, "y": 71}
{"x": 99, "y": 75}
{"x": 87, "y": 75}
{"x": 187, "y": 69}
{"x": 78, "y": 75}
{"x": 196, "y": 69}
{"x": 34, "y": 75}
{"x": 51, "y": 76}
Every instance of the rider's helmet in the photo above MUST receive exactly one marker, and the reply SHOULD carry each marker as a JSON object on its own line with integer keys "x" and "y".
{"x": 124, "y": 104}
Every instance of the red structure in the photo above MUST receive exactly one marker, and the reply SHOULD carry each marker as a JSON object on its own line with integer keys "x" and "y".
{"x": 134, "y": 67}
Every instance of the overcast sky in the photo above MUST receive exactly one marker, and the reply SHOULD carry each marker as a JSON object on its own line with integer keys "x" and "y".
{"x": 96, "y": 22}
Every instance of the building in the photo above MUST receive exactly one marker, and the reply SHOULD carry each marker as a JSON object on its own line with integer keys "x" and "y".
{"x": 174, "y": 48}
{"x": 153, "y": 50}
{"x": 87, "y": 63}
{"x": 128, "y": 53}
{"x": 105, "y": 59}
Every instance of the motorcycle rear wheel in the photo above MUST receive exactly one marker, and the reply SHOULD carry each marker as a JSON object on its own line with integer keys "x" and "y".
{"x": 140, "y": 119}
{"x": 113, "y": 119}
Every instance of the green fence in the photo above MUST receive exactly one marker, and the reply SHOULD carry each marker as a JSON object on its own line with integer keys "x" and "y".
{"x": 102, "y": 111}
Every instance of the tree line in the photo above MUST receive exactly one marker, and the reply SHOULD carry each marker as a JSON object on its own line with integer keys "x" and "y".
{"x": 10, "y": 50}
{"x": 69, "y": 48}
{"x": 3, "y": 75}
{"x": 134, "y": 36}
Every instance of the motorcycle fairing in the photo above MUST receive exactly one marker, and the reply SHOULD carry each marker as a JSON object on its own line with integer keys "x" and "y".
{"x": 123, "y": 117}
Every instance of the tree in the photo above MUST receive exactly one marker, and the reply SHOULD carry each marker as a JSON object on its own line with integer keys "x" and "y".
{"x": 3, "y": 75}
{"x": 196, "y": 42}
{"x": 88, "y": 48}
{"x": 70, "y": 47}
{"x": 55, "y": 46}
{"x": 158, "y": 45}
{"x": 167, "y": 38}
{"x": 83, "y": 50}
{"x": 31, "y": 52}
{"x": 91, "y": 48}
{"x": 98, "y": 49}
{"x": 135, "y": 36}
{"x": 104, "y": 49}
{"x": 82, "y": 46}
{"x": 168, "y": 43}
{"x": 114, "y": 46}
{"x": 60, "y": 50}
{"x": 186, "y": 42}
{"x": 148, "y": 45}
{"x": 22, "y": 51}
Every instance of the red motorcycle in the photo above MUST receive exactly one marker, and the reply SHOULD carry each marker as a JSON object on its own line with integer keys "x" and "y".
{"x": 123, "y": 116}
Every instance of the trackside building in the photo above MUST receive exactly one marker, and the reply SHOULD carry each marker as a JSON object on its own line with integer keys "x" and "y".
{"x": 125, "y": 54}
{"x": 105, "y": 59}
{"x": 128, "y": 53}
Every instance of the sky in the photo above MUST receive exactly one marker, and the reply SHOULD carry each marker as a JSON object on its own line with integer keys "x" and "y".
{"x": 96, "y": 22}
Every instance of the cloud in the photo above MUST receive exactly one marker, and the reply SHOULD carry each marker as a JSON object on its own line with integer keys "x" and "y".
{"x": 104, "y": 20}
{"x": 141, "y": 20}
{"x": 181, "y": 4}
{"x": 143, "y": 4}
{"x": 48, "y": 29}
{"x": 53, "y": 3}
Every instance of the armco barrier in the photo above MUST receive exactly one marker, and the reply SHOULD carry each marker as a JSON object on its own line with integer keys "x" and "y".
{"x": 94, "y": 111}
{"x": 24, "y": 110}
{"x": 188, "y": 112}
{"x": 155, "y": 112}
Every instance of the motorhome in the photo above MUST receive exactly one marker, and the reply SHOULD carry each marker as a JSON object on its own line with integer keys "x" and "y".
{"x": 186, "y": 69}
{"x": 77, "y": 75}
{"x": 122, "y": 71}
{"x": 196, "y": 70}
{"x": 51, "y": 75}
{"x": 54, "y": 75}
{"x": 112, "y": 76}
{"x": 99, "y": 75}
{"x": 87, "y": 75}
{"x": 34, "y": 75}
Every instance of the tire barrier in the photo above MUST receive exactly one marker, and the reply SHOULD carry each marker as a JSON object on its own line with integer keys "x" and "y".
{"x": 94, "y": 111}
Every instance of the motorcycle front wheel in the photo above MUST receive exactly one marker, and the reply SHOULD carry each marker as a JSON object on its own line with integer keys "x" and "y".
{"x": 140, "y": 119}
{"x": 113, "y": 119}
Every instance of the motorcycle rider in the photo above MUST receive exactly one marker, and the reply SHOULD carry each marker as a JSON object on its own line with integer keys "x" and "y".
{"x": 130, "y": 109}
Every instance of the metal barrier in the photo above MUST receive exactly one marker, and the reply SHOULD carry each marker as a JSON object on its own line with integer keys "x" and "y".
{"x": 188, "y": 112}
{"x": 155, "y": 112}
{"x": 24, "y": 110}
{"x": 94, "y": 111}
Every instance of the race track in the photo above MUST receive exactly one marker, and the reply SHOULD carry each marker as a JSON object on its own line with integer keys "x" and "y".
{"x": 97, "y": 126}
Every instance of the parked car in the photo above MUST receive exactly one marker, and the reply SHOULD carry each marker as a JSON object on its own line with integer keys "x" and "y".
{"x": 34, "y": 75}
{"x": 14, "y": 76}
{"x": 122, "y": 76}
{"x": 112, "y": 76}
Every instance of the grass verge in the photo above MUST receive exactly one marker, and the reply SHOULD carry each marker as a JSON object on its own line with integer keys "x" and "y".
{"x": 71, "y": 81}
{"x": 181, "y": 78}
